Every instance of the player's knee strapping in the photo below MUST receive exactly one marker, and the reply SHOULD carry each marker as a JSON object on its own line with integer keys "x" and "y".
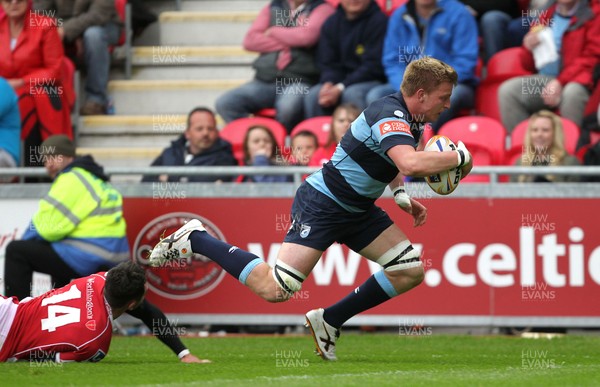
{"x": 400, "y": 257}
{"x": 289, "y": 279}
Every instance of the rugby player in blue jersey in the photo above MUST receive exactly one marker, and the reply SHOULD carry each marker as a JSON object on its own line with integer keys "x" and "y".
{"x": 336, "y": 204}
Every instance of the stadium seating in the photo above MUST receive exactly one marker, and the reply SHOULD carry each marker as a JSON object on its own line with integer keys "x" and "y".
{"x": 120, "y": 7}
{"x": 503, "y": 65}
{"x": 389, "y": 6}
{"x": 267, "y": 112}
{"x": 481, "y": 131}
{"x": 482, "y": 156}
{"x": 511, "y": 155}
{"x": 235, "y": 131}
{"x": 570, "y": 129}
{"x": 320, "y": 126}
{"x": 506, "y": 64}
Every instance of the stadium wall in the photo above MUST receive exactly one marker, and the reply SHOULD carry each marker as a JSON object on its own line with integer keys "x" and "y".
{"x": 494, "y": 254}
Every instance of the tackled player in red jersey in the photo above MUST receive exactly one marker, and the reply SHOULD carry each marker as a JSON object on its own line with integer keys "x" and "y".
{"x": 72, "y": 323}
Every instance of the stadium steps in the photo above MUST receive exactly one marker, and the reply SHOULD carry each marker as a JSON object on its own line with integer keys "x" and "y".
{"x": 223, "y": 5}
{"x": 186, "y": 62}
{"x": 187, "y": 59}
{"x": 188, "y": 28}
{"x": 120, "y": 157}
{"x": 147, "y": 97}
{"x": 117, "y": 141}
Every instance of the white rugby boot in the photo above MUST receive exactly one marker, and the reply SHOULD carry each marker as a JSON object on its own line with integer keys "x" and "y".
{"x": 175, "y": 246}
{"x": 324, "y": 334}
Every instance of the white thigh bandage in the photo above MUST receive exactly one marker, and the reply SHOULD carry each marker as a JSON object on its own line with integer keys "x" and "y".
{"x": 400, "y": 257}
{"x": 289, "y": 279}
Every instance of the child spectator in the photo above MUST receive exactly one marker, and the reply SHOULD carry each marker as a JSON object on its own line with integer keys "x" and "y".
{"x": 260, "y": 149}
{"x": 304, "y": 146}
{"x": 342, "y": 117}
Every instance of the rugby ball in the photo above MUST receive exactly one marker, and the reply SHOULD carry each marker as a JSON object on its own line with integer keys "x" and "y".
{"x": 443, "y": 183}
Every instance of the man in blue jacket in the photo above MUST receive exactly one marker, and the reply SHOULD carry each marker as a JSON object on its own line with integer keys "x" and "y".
{"x": 443, "y": 29}
{"x": 199, "y": 145}
{"x": 349, "y": 57}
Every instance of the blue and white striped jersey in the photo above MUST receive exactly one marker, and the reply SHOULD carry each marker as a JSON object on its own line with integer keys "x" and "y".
{"x": 360, "y": 169}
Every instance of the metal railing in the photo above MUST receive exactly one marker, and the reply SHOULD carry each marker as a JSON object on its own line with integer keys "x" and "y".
{"x": 494, "y": 172}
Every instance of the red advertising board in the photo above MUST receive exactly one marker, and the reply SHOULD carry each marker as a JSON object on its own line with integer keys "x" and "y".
{"x": 482, "y": 257}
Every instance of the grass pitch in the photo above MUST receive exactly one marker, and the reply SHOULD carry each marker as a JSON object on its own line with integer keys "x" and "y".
{"x": 364, "y": 360}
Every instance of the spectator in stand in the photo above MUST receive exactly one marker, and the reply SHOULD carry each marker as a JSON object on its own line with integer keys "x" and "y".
{"x": 31, "y": 57}
{"x": 566, "y": 82}
{"x": 77, "y": 230}
{"x": 349, "y": 57}
{"x": 544, "y": 145}
{"x": 90, "y": 27}
{"x": 10, "y": 127}
{"x": 445, "y": 30}
{"x": 501, "y": 24}
{"x": 284, "y": 34}
{"x": 261, "y": 150}
{"x": 342, "y": 118}
{"x": 199, "y": 145}
{"x": 304, "y": 146}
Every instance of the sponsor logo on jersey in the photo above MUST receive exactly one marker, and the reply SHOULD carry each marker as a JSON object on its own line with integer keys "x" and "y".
{"x": 394, "y": 126}
{"x": 89, "y": 303}
{"x": 177, "y": 279}
{"x": 398, "y": 113}
{"x": 91, "y": 325}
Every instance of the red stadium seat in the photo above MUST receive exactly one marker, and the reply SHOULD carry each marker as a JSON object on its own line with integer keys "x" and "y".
{"x": 120, "y": 7}
{"x": 235, "y": 131}
{"x": 481, "y": 156}
{"x": 510, "y": 158}
{"x": 482, "y": 131}
{"x": 506, "y": 64}
{"x": 268, "y": 112}
{"x": 503, "y": 65}
{"x": 320, "y": 126}
{"x": 486, "y": 99}
{"x": 389, "y": 6}
{"x": 570, "y": 129}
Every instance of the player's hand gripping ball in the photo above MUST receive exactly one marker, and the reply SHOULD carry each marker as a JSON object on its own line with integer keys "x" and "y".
{"x": 443, "y": 183}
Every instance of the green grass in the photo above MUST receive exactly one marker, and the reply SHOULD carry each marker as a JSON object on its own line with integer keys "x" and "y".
{"x": 364, "y": 360}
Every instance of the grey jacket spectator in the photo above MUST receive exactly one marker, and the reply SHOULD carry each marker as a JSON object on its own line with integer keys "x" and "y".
{"x": 76, "y": 16}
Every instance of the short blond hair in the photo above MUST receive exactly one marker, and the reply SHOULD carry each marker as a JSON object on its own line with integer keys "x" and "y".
{"x": 426, "y": 73}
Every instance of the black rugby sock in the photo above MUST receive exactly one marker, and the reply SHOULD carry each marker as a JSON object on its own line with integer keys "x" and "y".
{"x": 237, "y": 262}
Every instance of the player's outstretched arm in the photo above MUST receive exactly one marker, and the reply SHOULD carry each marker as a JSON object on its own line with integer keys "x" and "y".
{"x": 422, "y": 164}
